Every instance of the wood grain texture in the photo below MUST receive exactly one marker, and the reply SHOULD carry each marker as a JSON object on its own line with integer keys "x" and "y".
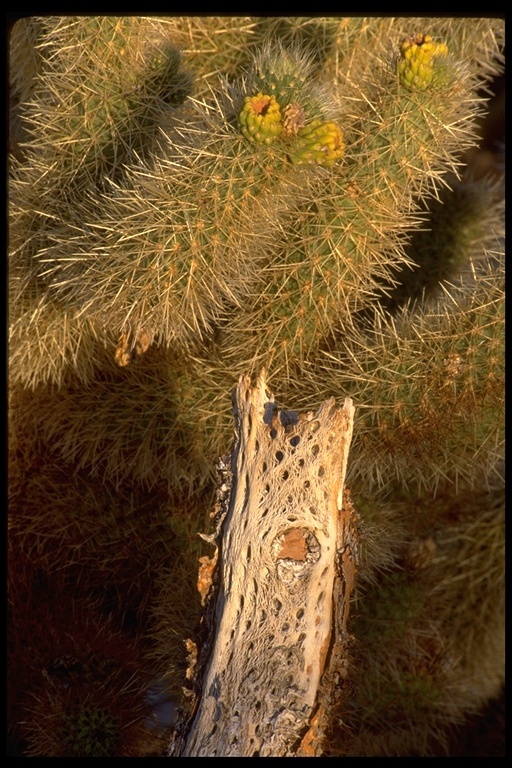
{"x": 280, "y": 553}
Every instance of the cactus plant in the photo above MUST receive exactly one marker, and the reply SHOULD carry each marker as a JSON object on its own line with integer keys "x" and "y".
{"x": 192, "y": 199}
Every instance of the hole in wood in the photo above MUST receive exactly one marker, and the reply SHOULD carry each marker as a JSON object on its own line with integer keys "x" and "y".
{"x": 296, "y": 544}
{"x": 277, "y": 605}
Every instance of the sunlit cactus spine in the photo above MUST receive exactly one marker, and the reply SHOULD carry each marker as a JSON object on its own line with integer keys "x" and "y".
{"x": 339, "y": 255}
{"x": 209, "y": 200}
{"x": 116, "y": 78}
{"x": 302, "y": 209}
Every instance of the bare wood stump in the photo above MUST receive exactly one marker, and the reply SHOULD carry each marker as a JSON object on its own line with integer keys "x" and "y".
{"x": 277, "y": 588}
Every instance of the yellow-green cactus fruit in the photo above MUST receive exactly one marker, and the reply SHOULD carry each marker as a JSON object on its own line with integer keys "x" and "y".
{"x": 260, "y": 119}
{"x": 417, "y": 66}
{"x": 319, "y": 143}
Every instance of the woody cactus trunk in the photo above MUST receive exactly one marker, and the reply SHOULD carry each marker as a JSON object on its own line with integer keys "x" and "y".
{"x": 193, "y": 199}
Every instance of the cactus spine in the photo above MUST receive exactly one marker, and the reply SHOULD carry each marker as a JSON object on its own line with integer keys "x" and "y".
{"x": 196, "y": 198}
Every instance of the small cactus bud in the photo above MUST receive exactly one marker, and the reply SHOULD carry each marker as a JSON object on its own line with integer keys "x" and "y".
{"x": 417, "y": 64}
{"x": 319, "y": 143}
{"x": 260, "y": 119}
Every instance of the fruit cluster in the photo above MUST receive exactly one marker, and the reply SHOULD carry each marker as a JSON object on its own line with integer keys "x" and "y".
{"x": 421, "y": 62}
{"x": 310, "y": 139}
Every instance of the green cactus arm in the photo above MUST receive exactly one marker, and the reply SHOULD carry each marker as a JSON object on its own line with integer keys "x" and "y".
{"x": 439, "y": 417}
{"x": 342, "y": 254}
{"x": 100, "y": 92}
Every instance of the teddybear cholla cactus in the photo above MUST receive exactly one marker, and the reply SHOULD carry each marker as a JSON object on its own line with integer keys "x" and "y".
{"x": 274, "y": 220}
